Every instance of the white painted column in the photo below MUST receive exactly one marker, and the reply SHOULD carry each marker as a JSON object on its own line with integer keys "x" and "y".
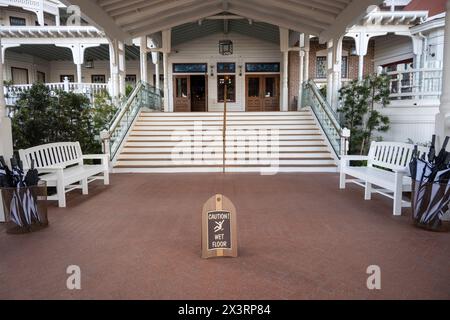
{"x": 443, "y": 117}
{"x": 337, "y": 67}
{"x": 114, "y": 69}
{"x": 360, "y": 67}
{"x": 306, "y": 66}
{"x": 300, "y": 78}
{"x": 143, "y": 59}
{"x": 157, "y": 84}
{"x": 284, "y": 87}
{"x": 122, "y": 72}
{"x": 6, "y": 142}
{"x": 166, "y": 81}
{"x": 166, "y": 48}
{"x": 329, "y": 71}
{"x": 79, "y": 73}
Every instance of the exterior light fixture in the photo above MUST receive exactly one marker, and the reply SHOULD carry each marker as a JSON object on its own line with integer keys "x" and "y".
{"x": 89, "y": 64}
{"x": 226, "y": 47}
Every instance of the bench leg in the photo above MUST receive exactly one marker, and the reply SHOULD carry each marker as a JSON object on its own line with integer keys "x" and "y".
{"x": 342, "y": 179}
{"x": 398, "y": 194}
{"x": 106, "y": 177}
{"x": 368, "y": 191}
{"x": 84, "y": 186}
{"x": 61, "y": 194}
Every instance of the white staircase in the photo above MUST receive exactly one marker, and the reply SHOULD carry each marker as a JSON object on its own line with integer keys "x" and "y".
{"x": 155, "y": 141}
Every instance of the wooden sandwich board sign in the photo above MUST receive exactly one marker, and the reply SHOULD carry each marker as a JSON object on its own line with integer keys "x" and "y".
{"x": 219, "y": 232}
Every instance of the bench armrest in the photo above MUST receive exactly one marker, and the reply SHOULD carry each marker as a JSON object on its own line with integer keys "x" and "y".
{"x": 95, "y": 156}
{"x": 354, "y": 158}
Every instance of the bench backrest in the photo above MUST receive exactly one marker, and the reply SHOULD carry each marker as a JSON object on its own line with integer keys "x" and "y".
{"x": 392, "y": 155}
{"x": 52, "y": 154}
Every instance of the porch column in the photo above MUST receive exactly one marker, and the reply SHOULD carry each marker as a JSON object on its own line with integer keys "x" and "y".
{"x": 300, "y": 78}
{"x": 157, "y": 84}
{"x": 337, "y": 67}
{"x": 114, "y": 69}
{"x": 166, "y": 48}
{"x": 79, "y": 73}
{"x": 284, "y": 88}
{"x": 6, "y": 142}
{"x": 329, "y": 71}
{"x": 143, "y": 59}
{"x": 306, "y": 59}
{"x": 443, "y": 117}
{"x": 122, "y": 72}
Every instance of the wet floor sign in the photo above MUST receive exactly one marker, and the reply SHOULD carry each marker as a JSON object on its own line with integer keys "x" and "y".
{"x": 219, "y": 238}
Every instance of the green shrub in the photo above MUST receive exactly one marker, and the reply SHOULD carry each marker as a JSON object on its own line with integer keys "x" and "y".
{"x": 41, "y": 116}
{"x": 358, "y": 110}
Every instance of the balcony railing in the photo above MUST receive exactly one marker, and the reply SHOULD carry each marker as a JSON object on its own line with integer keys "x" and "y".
{"x": 416, "y": 84}
{"x": 13, "y": 92}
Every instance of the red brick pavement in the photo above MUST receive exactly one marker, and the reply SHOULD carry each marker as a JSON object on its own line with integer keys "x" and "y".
{"x": 300, "y": 237}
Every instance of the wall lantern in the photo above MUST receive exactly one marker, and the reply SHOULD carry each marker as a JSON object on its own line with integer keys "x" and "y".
{"x": 89, "y": 64}
{"x": 226, "y": 47}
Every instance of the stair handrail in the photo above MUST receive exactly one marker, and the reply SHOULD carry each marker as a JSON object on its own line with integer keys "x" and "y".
{"x": 327, "y": 118}
{"x": 114, "y": 136}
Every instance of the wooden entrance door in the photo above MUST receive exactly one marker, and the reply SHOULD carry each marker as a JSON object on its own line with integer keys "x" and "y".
{"x": 262, "y": 92}
{"x": 182, "y": 94}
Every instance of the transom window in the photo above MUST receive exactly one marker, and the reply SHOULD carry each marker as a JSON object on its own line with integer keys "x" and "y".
{"x": 262, "y": 67}
{"x": 190, "y": 68}
{"x": 226, "y": 67}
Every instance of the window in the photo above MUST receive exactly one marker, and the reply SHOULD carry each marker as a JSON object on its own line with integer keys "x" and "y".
{"x": 19, "y": 75}
{"x": 344, "y": 67}
{"x": 231, "y": 89}
{"x": 321, "y": 67}
{"x": 181, "y": 87}
{"x": 16, "y": 21}
{"x": 262, "y": 67}
{"x": 130, "y": 79}
{"x": 40, "y": 76}
{"x": 98, "y": 78}
{"x": 71, "y": 77}
{"x": 226, "y": 67}
{"x": 190, "y": 68}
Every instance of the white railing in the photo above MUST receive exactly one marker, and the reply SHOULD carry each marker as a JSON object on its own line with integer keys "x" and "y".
{"x": 416, "y": 84}
{"x": 12, "y": 92}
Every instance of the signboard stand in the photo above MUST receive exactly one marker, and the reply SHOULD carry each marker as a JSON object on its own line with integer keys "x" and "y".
{"x": 219, "y": 232}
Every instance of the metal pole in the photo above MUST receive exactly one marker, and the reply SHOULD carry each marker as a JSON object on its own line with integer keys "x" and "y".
{"x": 224, "y": 129}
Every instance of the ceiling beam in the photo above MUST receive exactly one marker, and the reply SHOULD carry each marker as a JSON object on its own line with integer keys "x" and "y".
{"x": 152, "y": 10}
{"x": 96, "y": 16}
{"x": 176, "y": 19}
{"x": 282, "y": 21}
{"x": 354, "y": 12}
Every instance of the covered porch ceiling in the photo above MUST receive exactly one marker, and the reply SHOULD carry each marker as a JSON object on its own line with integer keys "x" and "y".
{"x": 127, "y": 19}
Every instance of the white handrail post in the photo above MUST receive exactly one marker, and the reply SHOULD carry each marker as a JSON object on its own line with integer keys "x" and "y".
{"x": 66, "y": 84}
{"x": 345, "y": 135}
{"x": 105, "y": 138}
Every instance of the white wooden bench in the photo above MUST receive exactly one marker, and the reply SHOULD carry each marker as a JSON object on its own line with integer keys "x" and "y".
{"x": 387, "y": 168}
{"x": 63, "y": 166}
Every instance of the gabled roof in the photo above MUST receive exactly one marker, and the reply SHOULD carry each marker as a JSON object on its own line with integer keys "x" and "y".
{"x": 126, "y": 19}
{"x": 434, "y": 7}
